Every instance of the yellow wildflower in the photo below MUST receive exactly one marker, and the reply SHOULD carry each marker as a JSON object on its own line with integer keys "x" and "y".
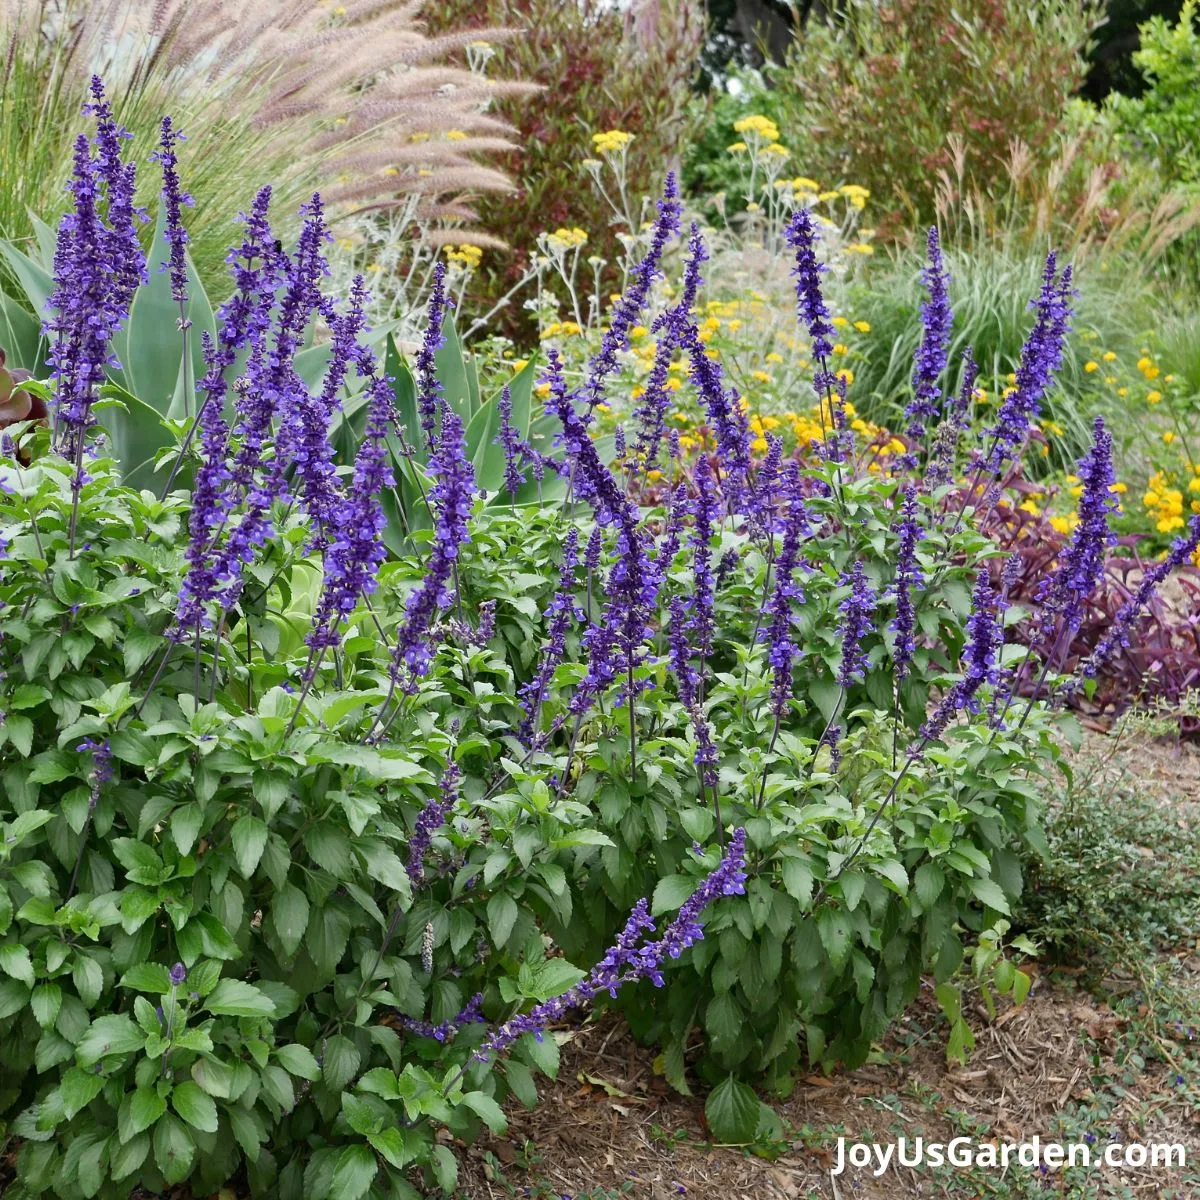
{"x": 1091, "y": 366}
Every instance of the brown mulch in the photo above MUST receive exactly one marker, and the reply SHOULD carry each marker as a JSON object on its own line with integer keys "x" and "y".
{"x": 609, "y": 1120}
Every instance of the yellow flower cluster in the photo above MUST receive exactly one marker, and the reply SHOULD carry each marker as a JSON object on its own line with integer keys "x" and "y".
{"x": 1164, "y": 503}
{"x": 561, "y": 329}
{"x": 761, "y": 127}
{"x": 469, "y": 256}
{"x": 567, "y": 239}
{"x": 613, "y": 141}
{"x": 1146, "y": 365}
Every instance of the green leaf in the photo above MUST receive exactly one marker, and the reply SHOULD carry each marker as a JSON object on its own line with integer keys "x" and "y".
{"x": 78, "y": 1089}
{"x": 298, "y": 1060}
{"x": 174, "y": 1150}
{"x": 520, "y": 1080}
{"x": 340, "y": 1062}
{"x": 797, "y": 880}
{"x": 148, "y": 977}
{"x": 502, "y": 916}
{"x": 833, "y": 926}
{"x": 398, "y": 1149}
{"x": 145, "y": 1107}
{"x": 487, "y": 1110}
{"x": 445, "y": 1167}
{"x": 150, "y": 345}
{"x": 108, "y": 1035}
{"x": 671, "y": 892}
{"x": 195, "y": 1106}
{"x": 732, "y": 1111}
{"x": 249, "y": 838}
{"x": 928, "y": 883}
{"x": 234, "y": 998}
{"x": 46, "y": 1002}
{"x": 289, "y": 916}
{"x": 15, "y": 961}
{"x": 988, "y": 891}
{"x": 354, "y": 1173}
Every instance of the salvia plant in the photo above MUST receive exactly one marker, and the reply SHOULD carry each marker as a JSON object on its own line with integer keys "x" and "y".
{"x": 310, "y": 841}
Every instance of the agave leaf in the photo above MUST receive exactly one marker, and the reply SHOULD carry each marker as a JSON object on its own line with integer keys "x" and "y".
{"x": 36, "y": 282}
{"x": 451, "y": 366}
{"x": 21, "y": 336}
{"x": 137, "y": 433}
{"x": 150, "y": 347}
{"x": 47, "y": 239}
{"x": 485, "y": 452}
{"x": 312, "y": 361}
{"x": 404, "y": 392}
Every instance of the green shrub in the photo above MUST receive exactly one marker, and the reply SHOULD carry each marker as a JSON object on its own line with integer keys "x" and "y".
{"x": 878, "y": 90}
{"x": 600, "y": 69}
{"x": 1163, "y": 121}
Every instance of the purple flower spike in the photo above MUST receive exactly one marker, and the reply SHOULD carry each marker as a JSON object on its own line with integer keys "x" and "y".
{"x": 174, "y": 199}
{"x": 857, "y": 610}
{"x": 178, "y": 975}
{"x": 1067, "y": 592}
{"x": 98, "y": 265}
{"x": 429, "y": 387}
{"x": 1041, "y": 357}
{"x": 627, "y": 310}
{"x": 908, "y": 578}
{"x": 984, "y": 636}
{"x": 450, "y": 500}
{"x": 782, "y": 651}
{"x": 434, "y": 815}
{"x": 933, "y": 351}
{"x": 629, "y": 960}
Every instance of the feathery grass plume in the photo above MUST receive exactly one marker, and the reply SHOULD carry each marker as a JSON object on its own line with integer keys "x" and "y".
{"x": 355, "y": 99}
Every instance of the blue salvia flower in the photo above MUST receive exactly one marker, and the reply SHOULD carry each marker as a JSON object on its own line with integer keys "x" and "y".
{"x": 102, "y": 771}
{"x": 722, "y": 405}
{"x": 706, "y": 516}
{"x": 688, "y": 680}
{"x": 942, "y": 456}
{"x": 631, "y": 958}
{"x": 120, "y": 184}
{"x": 560, "y": 612}
{"x": 450, "y": 500}
{"x": 312, "y": 451}
{"x": 801, "y": 235}
{"x": 1117, "y": 636}
{"x": 594, "y": 482}
{"x": 909, "y": 578}
{"x": 355, "y": 550}
{"x": 429, "y": 387}
{"x": 984, "y": 637}
{"x": 471, "y": 1014}
{"x": 273, "y": 389}
{"x": 511, "y": 442}
{"x": 629, "y": 307}
{"x": 650, "y": 412}
{"x": 210, "y": 508}
{"x": 933, "y": 351}
{"x": 857, "y": 609}
{"x": 432, "y": 817}
{"x": 98, "y": 265}
{"x": 1041, "y": 357}
{"x": 174, "y": 200}
{"x": 782, "y": 651}
{"x": 1067, "y": 591}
